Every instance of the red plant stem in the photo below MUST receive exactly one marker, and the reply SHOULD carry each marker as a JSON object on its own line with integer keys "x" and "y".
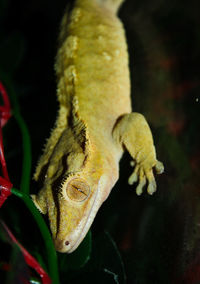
{"x": 5, "y": 110}
{"x": 5, "y": 96}
{"x": 5, "y": 189}
{"x": 30, "y": 260}
{"x": 5, "y": 113}
{"x": 2, "y": 157}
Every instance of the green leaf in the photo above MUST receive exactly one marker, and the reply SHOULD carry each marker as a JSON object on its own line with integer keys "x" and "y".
{"x": 97, "y": 277}
{"x": 12, "y": 52}
{"x": 105, "y": 265}
{"x": 114, "y": 276}
{"x": 106, "y": 260}
{"x": 79, "y": 257}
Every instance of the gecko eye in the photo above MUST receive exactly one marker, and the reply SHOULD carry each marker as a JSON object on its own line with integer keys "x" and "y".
{"x": 77, "y": 189}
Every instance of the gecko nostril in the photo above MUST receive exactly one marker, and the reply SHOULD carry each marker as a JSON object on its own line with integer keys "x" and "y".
{"x": 67, "y": 243}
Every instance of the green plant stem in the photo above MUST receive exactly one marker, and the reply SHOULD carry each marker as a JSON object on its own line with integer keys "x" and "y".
{"x": 51, "y": 253}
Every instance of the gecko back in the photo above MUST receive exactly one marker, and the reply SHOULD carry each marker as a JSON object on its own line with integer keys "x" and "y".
{"x": 113, "y": 5}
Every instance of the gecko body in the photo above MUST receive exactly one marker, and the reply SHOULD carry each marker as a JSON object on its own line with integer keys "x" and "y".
{"x": 80, "y": 163}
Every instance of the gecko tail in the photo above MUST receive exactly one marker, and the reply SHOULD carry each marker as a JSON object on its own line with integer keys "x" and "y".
{"x": 113, "y": 5}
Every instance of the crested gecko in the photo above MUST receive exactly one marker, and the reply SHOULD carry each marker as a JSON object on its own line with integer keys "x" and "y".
{"x": 80, "y": 163}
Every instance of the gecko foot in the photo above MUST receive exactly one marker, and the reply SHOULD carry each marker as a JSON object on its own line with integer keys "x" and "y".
{"x": 144, "y": 175}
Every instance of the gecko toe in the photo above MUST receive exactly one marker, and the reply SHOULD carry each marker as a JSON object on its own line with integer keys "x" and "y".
{"x": 142, "y": 182}
{"x": 139, "y": 188}
{"x": 151, "y": 188}
{"x": 138, "y": 175}
{"x": 132, "y": 163}
{"x": 159, "y": 167}
{"x": 134, "y": 177}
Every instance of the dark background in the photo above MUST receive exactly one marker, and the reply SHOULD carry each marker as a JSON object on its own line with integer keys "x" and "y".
{"x": 157, "y": 236}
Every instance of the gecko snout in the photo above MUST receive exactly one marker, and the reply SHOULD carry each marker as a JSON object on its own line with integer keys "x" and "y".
{"x": 62, "y": 245}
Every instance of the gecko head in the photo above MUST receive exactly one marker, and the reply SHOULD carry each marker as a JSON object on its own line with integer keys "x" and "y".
{"x": 72, "y": 208}
{"x": 78, "y": 203}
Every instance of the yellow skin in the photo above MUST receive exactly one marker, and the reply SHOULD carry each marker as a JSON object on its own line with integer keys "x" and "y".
{"x": 80, "y": 163}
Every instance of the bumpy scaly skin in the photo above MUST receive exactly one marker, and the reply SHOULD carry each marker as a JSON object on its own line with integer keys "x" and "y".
{"x": 79, "y": 165}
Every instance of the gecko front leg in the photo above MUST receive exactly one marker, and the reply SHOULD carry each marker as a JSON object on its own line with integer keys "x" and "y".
{"x": 132, "y": 132}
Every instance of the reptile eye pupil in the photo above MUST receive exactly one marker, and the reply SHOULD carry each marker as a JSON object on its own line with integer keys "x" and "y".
{"x": 78, "y": 189}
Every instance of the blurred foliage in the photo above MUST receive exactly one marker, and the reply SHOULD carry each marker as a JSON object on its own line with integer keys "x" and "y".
{"x": 158, "y": 237}
{"x": 9, "y": 64}
{"x": 18, "y": 271}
